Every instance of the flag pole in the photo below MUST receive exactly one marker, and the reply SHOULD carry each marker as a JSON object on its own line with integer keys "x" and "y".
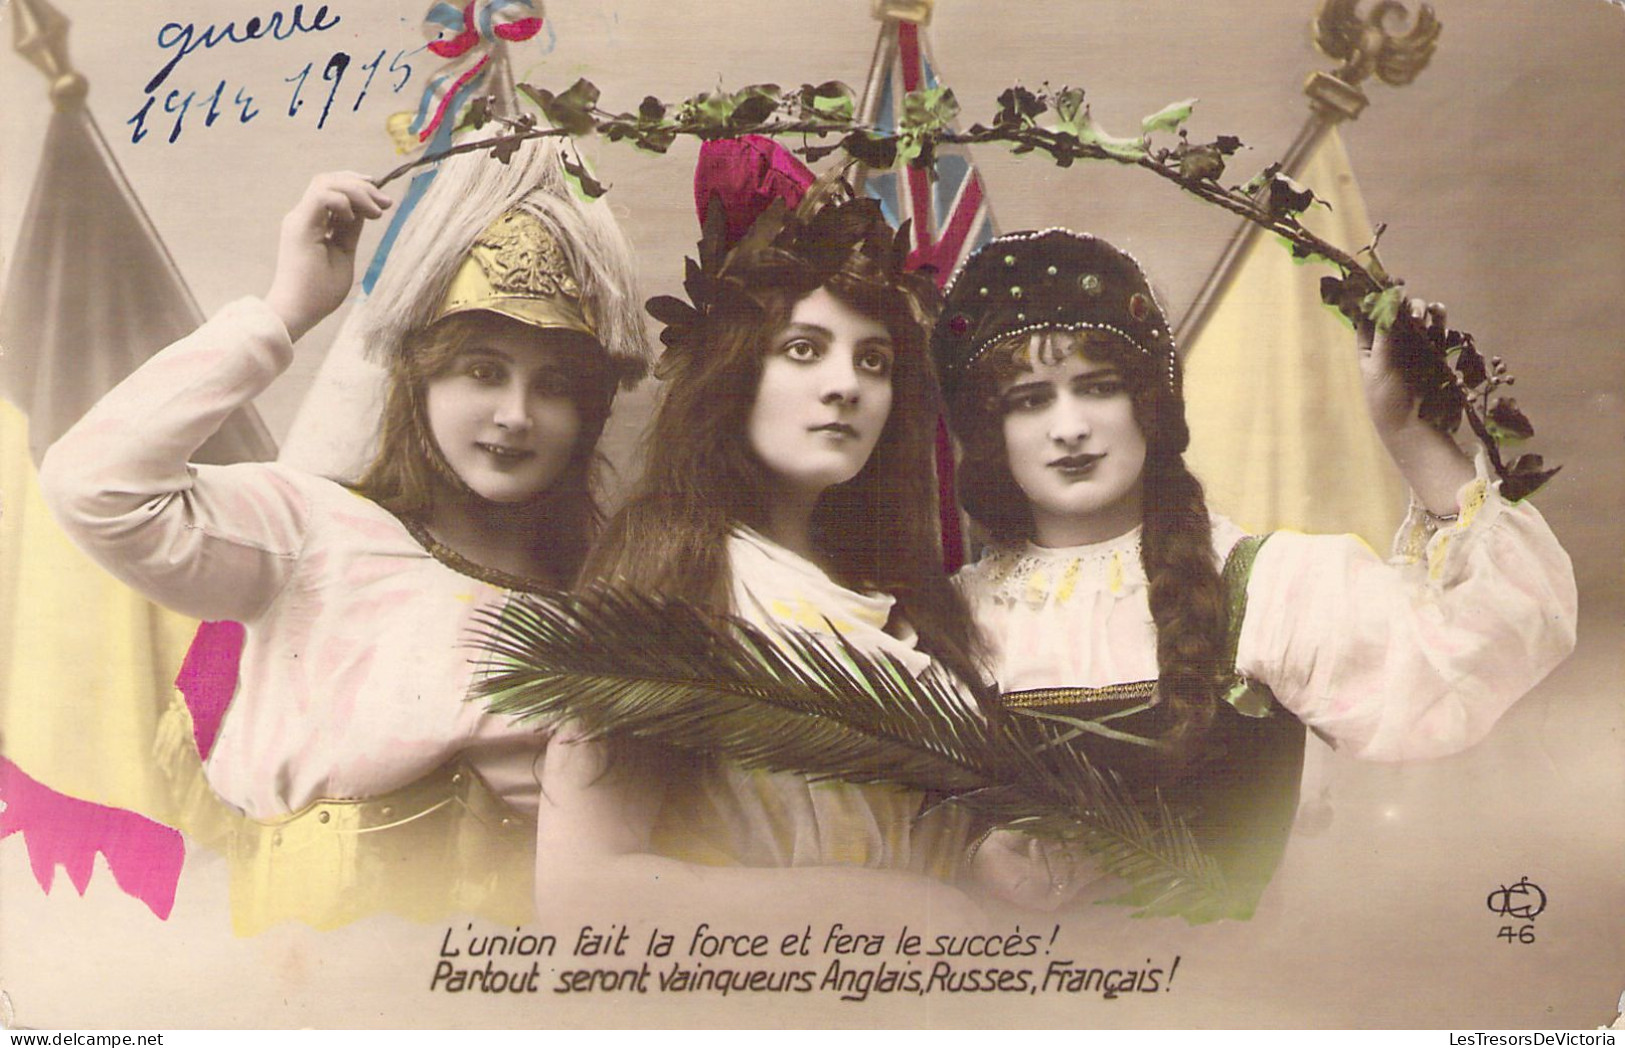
{"x": 885, "y": 12}
{"x": 40, "y": 34}
{"x": 902, "y": 62}
{"x": 1368, "y": 46}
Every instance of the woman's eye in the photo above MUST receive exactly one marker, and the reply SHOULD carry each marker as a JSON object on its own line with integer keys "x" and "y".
{"x": 484, "y": 371}
{"x": 1104, "y": 388}
{"x": 551, "y": 384}
{"x": 1026, "y": 399}
{"x": 875, "y": 362}
{"x": 801, "y": 349}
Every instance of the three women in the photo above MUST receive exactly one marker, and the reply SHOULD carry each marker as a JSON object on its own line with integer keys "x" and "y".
{"x": 788, "y": 482}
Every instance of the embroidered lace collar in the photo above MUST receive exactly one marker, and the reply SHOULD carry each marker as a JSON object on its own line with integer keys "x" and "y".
{"x": 1038, "y": 575}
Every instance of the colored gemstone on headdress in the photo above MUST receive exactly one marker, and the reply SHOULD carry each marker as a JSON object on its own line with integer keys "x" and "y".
{"x": 1085, "y": 284}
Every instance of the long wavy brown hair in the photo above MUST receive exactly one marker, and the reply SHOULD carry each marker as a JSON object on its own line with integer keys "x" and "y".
{"x": 1176, "y": 543}
{"x": 409, "y": 474}
{"x": 879, "y": 530}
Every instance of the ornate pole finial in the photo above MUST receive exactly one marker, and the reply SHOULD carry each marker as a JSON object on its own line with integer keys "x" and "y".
{"x": 1380, "y": 43}
{"x": 39, "y": 32}
{"x": 916, "y": 11}
{"x": 1369, "y": 45}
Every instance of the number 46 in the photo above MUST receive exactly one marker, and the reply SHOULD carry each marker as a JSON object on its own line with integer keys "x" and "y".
{"x": 1524, "y": 934}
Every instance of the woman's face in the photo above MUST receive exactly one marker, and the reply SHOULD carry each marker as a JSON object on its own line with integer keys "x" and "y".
{"x": 824, "y": 395}
{"x": 1074, "y": 448}
{"x": 502, "y": 414}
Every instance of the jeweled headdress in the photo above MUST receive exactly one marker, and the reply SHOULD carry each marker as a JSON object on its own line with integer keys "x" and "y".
{"x": 1050, "y": 280}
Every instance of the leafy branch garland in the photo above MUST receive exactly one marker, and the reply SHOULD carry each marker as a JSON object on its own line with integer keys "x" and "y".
{"x": 1442, "y": 366}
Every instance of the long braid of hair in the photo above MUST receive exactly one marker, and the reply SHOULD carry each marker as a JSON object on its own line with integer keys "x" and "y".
{"x": 1186, "y": 595}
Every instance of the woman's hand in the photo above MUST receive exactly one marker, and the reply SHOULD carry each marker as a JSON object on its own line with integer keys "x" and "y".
{"x": 1392, "y": 405}
{"x": 1030, "y": 872}
{"x": 1430, "y": 461}
{"x": 315, "y": 262}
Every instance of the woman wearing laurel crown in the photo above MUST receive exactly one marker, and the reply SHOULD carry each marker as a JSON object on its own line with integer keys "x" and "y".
{"x": 505, "y": 321}
{"x": 788, "y": 483}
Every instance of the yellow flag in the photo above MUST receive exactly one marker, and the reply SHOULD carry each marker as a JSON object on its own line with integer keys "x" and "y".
{"x": 86, "y": 664}
{"x": 1279, "y": 432}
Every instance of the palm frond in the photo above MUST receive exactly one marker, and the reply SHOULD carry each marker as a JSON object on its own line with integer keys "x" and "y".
{"x": 720, "y": 687}
{"x": 627, "y": 665}
{"x": 1140, "y": 841}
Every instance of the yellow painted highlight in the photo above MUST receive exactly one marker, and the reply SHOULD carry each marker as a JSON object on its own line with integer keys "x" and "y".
{"x": 87, "y": 665}
{"x": 1279, "y": 432}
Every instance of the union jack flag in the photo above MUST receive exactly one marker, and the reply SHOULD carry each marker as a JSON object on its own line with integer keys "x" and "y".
{"x": 950, "y": 211}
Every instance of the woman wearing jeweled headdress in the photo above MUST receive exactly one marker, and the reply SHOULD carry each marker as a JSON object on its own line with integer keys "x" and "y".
{"x": 1187, "y": 657}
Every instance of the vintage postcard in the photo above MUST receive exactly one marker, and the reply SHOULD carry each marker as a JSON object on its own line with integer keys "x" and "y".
{"x": 292, "y": 816}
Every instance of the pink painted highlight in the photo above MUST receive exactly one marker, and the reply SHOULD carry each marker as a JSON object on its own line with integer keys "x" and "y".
{"x": 440, "y": 114}
{"x": 145, "y": 857}
{"x": 908, "y": 42}
{"x": 522, "y": 29}
{"x": 208, "y": 678}
{"x": 942, "y": 254}
{"x": 747, "y": 174}
{"x": 460, "y": 43}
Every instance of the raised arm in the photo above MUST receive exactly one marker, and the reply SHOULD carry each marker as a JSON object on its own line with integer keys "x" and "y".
{"x": 315, "y": 262}
{"x": 1421, "y": 655}
{"x": 1418, "y": 656}
{"x": 210, "y": 541}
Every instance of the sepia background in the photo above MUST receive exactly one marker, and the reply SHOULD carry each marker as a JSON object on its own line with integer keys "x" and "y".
{"x": 1499, "y": 176}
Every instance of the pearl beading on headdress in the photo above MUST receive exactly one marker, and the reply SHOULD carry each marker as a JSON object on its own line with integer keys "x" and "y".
{"x": 1160, "y": 330}
{"x": 1079, "y": 325}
